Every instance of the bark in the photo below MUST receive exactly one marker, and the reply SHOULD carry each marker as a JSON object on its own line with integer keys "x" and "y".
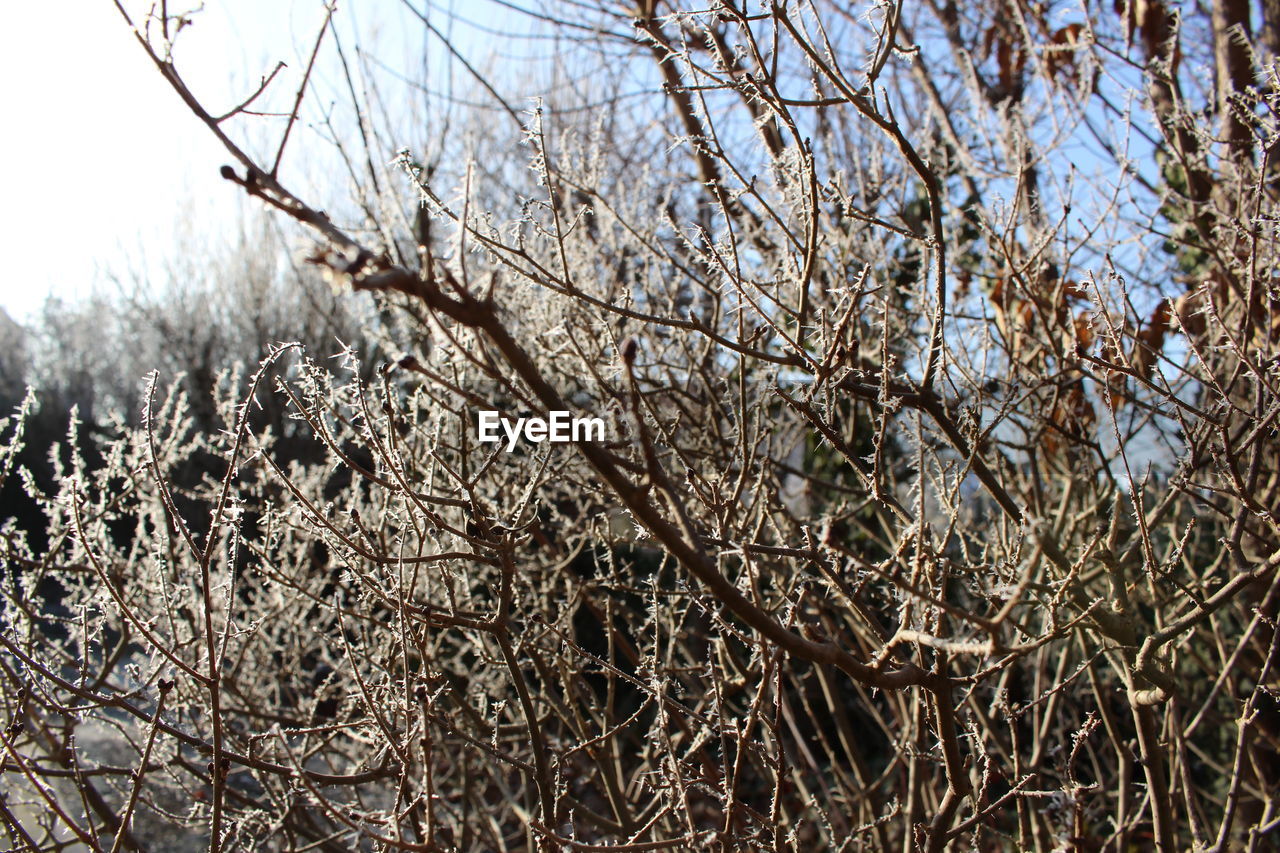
{"x": 1233, "y": 71}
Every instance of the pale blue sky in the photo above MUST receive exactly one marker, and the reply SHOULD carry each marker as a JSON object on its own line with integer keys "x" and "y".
{"x": 101, "y": 158}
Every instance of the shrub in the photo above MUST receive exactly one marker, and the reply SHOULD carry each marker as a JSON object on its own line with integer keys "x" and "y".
{"x": 935, "y": 507}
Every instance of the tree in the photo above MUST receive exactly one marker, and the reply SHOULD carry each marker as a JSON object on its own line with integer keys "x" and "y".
{"x": 936, "y": 350}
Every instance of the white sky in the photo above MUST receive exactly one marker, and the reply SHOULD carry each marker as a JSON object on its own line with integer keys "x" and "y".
{"x": 100, "y": 156}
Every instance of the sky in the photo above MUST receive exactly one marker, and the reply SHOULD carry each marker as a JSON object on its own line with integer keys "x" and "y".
{"x": 102, "y": 160}
{"x": 101, "y": 157}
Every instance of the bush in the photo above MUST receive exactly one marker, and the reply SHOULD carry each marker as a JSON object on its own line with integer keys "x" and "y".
{"x": 934, "y": 508}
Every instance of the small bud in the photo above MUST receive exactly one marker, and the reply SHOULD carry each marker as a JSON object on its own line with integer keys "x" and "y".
{"x": 228, "y": 173}
{"x": 629, "y": 350}
{"x": 362, "y": 258}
